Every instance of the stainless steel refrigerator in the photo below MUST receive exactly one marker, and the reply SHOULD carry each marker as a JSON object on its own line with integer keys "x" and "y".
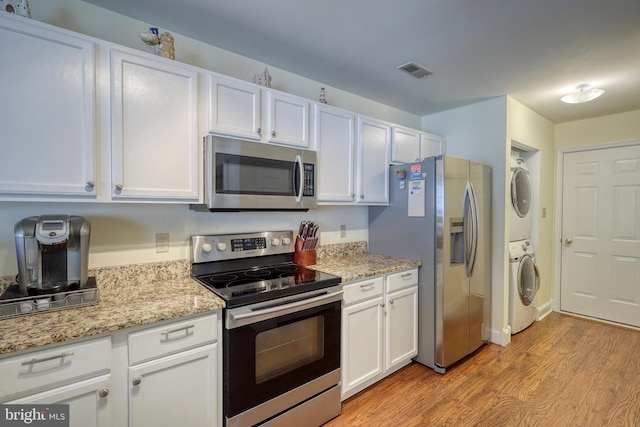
{"x": 440, "y": 214}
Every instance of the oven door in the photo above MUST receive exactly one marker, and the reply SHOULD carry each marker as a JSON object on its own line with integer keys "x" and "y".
{"x": 279, "y": 354}
{"x": 249, "y": 175}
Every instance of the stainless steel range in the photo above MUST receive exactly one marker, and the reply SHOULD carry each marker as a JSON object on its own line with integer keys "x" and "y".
{"x": 282, "y": 326}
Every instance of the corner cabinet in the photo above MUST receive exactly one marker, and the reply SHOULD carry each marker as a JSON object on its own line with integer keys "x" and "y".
{"x": 48, "y": 119}
{"x": 379, "y": 328}
{"x": 410, "y": 145}
{"x": 154, "y": 129}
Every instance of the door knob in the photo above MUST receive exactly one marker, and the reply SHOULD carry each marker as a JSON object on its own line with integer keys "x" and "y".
{"x": 568, "y": 240}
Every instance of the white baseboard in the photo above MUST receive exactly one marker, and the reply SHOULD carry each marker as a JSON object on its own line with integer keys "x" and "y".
{"x": 502, "y": 337}
{"x": 544, "y": 310}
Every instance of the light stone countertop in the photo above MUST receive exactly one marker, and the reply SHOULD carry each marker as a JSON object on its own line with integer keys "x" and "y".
{"x": 129, "y": 296}
{"x": 351, "y": 261}
{"x": 143, "y": 294}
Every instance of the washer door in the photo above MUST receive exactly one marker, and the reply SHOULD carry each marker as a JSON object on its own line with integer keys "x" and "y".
{"x": 520, "y": 192}
{"x": 528, "y": 279}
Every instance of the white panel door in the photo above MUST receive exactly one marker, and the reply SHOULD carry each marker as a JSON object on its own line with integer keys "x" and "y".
{"x": 234, "y": 108}
{"x": 401, "y": 333}
{"x": 47, "y": 87}
{"x": 600, "y": 272}
{"x": 154, "y": 127}
{"x": 372, "y": 160}
{"x": 334, "y": 140}
{"x": 288, "y": 119}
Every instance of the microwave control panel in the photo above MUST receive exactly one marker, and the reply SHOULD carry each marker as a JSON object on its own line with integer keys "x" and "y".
{"x": 309, "y": 183}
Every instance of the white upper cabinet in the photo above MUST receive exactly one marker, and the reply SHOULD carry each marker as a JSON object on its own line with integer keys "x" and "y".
{"x": 405, "y": 145}
{"x": 410, "y": 145}
{"x": 47, "y": 82}
{"x": 372, "y": 162}
{"x": 431, "y": 145}
{"x": 234, "y": 108}
{"x": 288, "y": 119}
{"x": 334, "y": 140}
{"x": 154, "y": 129}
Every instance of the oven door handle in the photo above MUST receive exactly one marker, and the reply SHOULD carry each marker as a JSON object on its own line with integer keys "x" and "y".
{"x": 246, "y": 315}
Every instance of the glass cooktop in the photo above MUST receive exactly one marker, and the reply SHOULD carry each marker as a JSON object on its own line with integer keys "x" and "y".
{"x": 265, "y": 283}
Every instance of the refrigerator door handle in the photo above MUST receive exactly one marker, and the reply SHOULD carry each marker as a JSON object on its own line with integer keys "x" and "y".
{"x": 471, "y": 241}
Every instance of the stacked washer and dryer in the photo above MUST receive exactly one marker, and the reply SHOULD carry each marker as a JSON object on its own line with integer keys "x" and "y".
{"x": 524, "y": 276}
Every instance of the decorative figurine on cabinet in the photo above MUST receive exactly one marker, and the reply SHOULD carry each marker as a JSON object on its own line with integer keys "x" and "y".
{"x": 18, "y": 7}
{"x": 161, "y": 44}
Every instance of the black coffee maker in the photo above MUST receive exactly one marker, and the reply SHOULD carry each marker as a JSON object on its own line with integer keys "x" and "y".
{"x": 53, "y": 253}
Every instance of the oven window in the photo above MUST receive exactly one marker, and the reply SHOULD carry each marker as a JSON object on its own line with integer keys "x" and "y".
{"x": 289, "y": 347}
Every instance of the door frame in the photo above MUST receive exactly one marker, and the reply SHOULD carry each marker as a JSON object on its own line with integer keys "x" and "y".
{"x": 557, "y": 224}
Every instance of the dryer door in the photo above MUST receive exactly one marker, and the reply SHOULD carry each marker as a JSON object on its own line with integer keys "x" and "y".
{"x": 520, "y": 192}
{"x": 528, "y": 279}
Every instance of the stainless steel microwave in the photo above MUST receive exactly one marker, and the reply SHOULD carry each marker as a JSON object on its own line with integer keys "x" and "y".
{"x": 245, "y": 175}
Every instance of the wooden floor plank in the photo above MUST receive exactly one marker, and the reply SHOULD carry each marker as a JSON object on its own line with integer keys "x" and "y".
{"x": 561, "y": 371}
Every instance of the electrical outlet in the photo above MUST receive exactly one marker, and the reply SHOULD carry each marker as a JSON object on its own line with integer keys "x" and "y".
{"x": 343, "y": 231}
{"x": 162, "y": 242}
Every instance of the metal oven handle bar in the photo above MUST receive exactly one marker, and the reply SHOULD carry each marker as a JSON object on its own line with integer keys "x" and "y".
{"x": 246, "y": 315}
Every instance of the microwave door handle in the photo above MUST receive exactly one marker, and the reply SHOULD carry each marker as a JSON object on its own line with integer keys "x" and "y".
{"x": 299, "y": 169}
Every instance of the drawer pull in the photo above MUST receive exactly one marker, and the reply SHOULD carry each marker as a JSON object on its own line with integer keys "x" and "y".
{"x": 46, "y": 359}
{"x": 185, "y": 328}
{"x": 406, "y": 275}
{"x": 136, "y": 381}
{"x": 104, "y": 392}
{"x": 367, "y": 285}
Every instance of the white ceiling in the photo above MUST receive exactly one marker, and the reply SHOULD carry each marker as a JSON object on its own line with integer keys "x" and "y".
{"x": 533, "y": 50}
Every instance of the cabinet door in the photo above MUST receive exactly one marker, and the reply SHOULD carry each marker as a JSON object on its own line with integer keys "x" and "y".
{"x": 288, "y": 119}
{"x": 155, "y": 141}
{"x": 362, "y": 345}
{"x": 401, "y": 327}
{"x": 373, "y": 162}
{"x": 177, "y": 390}
{"x": 47, "y": 123}
{"x": 431, "y": 145}
{"x": 88, "y": 401}
{"x": 334, "y": 139}
{"x": 405, "y": 145}
{"x": 234, "y": 108}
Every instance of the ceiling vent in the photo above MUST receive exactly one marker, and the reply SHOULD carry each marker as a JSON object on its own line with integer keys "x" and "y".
{"x": 416, "y": 70}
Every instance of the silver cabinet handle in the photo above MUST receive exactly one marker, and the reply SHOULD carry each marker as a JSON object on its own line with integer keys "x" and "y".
{"x": 367, "y": 285}
{"x": 568, "y": 240}
{"x": 391, "y": 302}
{"x": 273, "y": 133}
{"x": 362, "y": 196}
{"x": 46, "y": 359}
{"x": 136, "y": 381}
{"x": 186, "y": 328}
{"x": 259, "y": 131}
{"x": 104, "y": 392}
{"x": 406, "y": 275}
{"x": 90, "y": 185}
{"x": 119, "y": 187}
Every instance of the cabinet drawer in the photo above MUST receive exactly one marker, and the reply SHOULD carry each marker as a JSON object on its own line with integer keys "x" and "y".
{"x": 402, "y": 279}
{"x": 362, "y": 290}
{"x": 39, "y": 370}
{"x": 172, "y": 337}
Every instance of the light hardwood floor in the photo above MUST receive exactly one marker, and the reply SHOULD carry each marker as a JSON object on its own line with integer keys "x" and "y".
{"x": 561, "y": 371}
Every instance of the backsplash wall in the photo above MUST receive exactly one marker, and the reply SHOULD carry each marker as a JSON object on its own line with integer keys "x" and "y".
{"x": 125, "y": 233}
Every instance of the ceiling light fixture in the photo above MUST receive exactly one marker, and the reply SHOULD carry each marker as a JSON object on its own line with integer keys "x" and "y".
{"x": 416, "y": 70}
{"x": 582, "y": 93}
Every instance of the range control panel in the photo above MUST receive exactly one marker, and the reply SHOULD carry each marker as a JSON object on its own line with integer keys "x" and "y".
{"x": 206, "y": 248}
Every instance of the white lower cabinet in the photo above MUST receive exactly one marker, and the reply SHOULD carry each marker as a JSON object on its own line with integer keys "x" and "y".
{"x": 163, "y": 375}
{"x": 179, "y": 383}
{"x": 379, "y": 328}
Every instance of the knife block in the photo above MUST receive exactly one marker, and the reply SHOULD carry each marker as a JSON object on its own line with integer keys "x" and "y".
{"x": 302, "y": 257}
